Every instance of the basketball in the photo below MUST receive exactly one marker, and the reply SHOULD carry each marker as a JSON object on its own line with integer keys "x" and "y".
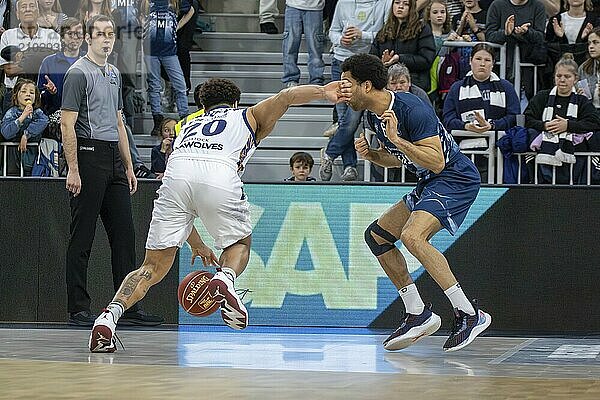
{"x": 193, "y": 294}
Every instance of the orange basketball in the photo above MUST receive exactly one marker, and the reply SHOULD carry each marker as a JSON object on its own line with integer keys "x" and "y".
{"x": 193, "y": 294}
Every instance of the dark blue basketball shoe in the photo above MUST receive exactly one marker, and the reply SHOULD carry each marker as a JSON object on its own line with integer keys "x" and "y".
{"x": 413, "y": 328}
{"x": 467, "y": 328}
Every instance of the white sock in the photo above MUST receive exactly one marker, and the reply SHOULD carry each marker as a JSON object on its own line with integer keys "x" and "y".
{"x": 229, "y": 272}
{"x": 116, "y": 309}
{"x": 459, "y": 300}
{"x": 412, "y": 300}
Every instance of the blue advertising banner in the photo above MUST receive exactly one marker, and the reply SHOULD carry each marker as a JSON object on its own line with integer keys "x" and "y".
{"x": 309, "y": 265}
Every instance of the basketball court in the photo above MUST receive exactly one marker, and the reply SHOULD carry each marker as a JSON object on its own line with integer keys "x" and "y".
{"x": 214, "y": 362}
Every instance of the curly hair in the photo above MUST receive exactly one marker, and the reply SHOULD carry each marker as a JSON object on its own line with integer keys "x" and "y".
{"x": 394, "y": 29}
{"x": 366, "y": 67}
{"x": 217, "y": 91}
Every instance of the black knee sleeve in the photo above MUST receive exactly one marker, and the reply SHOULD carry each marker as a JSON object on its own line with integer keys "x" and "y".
{"x": 376, "y": 248}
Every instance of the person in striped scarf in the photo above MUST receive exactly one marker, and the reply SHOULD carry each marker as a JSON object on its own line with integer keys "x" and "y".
{"x": 481, "y": 102}
{"x": 565, "y": 120}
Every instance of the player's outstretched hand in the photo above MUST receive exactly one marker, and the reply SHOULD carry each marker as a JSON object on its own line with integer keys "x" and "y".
{"x": 334, "y": 92}
{"x": 206, "y": 254}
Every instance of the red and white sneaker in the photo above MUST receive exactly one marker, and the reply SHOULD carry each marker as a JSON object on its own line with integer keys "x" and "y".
{"x": 233, "y": 310}
{"x": 102, "y": 337}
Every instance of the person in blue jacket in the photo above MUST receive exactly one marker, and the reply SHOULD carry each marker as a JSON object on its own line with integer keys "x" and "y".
{"x": 410, "y": 133}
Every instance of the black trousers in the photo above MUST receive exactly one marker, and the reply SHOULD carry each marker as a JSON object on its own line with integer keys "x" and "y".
{"x": 104, "y": 192}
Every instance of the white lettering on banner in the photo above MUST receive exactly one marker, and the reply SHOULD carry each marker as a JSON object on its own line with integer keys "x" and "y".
{"x": 354, "y": 288}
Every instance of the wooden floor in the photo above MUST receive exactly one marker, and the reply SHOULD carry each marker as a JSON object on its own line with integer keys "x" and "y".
{"x": 263, "y": 363}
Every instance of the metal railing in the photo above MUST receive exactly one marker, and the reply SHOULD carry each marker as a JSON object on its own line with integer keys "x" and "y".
{"x": 5, "y": 146}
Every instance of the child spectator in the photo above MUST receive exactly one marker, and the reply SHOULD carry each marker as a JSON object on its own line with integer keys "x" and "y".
{"x": 301, "y": 165}
{"x": 161, "y": 152}
{"x": 24, "y": 122}
{"x": 436, "y": 15}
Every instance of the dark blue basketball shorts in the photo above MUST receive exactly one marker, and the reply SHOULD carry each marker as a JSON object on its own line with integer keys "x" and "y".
{"x": 447, "y": 195}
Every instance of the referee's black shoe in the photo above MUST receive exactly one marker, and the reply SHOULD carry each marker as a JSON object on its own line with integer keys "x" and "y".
{"x": 82, "y": 318}
{"x": 140, "y": 317}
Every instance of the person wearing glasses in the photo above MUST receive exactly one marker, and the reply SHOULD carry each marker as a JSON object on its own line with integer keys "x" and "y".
{"x": 53, "y": 68}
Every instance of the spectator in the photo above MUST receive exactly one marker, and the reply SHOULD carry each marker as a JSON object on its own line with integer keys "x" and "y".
{"x": 51, "y": 15}
{"x": 35, "y": 41}
{"x": 399, "y": 81}
{"x": 470, "y": 26}
{"x": 564, "y": 120}
{"x": 5, "y": 14}
{"x": 90, "y": 8}
{"x": 481, "y": 101}
{"x": 303, "y": 16}
{"x": 101, "y": 177}
{"x": 161, "y": 152}
{"x": 567, "y": 32}
{"x": 405, "y": 38}
{"x": 301, "y": 165}
{"x": 267, "y": 11}
{"x": 160, "y": 47}
{"x": 129, "y": 35}
{"x": 354, "y": 26}
{"x": 521, "y": 22}
{"x": 436, "y": 15}
{"x": 188, "y": 16}
{"x": 53, "y": 68}
{"x": 589, "y": 71}
{"x": 24, "y": 122}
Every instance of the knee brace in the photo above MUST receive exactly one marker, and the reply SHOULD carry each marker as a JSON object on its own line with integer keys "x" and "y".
{"x": 376, "y": 248}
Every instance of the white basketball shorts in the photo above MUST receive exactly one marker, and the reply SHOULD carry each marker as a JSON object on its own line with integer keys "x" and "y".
{"x": 191, "y": 188}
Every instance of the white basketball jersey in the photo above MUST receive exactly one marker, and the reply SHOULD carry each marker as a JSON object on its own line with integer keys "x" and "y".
{"x": 222, "y": 134}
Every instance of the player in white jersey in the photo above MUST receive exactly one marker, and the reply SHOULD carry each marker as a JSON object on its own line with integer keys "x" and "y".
{"x": 202, "y": 179}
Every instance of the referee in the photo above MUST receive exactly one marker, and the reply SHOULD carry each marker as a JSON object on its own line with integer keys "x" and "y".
{"x": 101, "y": 177}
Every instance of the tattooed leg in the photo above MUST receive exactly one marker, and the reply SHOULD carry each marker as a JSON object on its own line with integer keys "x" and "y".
{"x": 136, "y": 284}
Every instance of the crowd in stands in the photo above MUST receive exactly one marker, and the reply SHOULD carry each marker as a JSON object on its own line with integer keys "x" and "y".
{"x": 41, "y": 39}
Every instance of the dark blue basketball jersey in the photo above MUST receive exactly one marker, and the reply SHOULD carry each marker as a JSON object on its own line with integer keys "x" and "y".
{"x": 416, "y": 121}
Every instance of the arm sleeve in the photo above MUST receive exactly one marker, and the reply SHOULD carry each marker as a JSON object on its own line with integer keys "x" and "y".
{"x": 421, "y": 123}
{"x": 74, "y": 89}
{"x": 535, "y": 33}
{"x": 37, "y": 125}
{"x": 9, "y": 127}
{"x": 588, "y": 118}
{"x": 3, "y": 44}
{"x": 534, "y": 111}
{"x": 513, "y": 107}
{"x": 158, "y": 162}
{"x": 335, "y": 31}
{"x": 452, "y": 119}
{"x": 494, "y": 28}
{"x": 422, "y": 60}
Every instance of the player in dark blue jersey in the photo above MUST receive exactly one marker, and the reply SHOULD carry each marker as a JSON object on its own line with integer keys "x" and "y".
{"x": 410, "y": 133}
